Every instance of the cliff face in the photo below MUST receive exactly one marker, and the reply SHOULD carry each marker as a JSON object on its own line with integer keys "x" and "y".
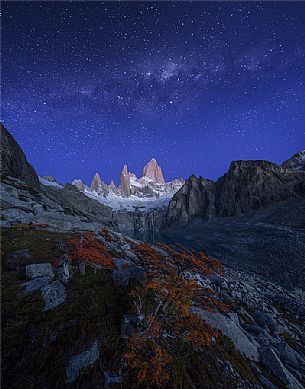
{"x": 251, "y": 185}
{"x": 248, "y": 185}
{"x": 195, "y": 199}
{"x": 14, "y": 162}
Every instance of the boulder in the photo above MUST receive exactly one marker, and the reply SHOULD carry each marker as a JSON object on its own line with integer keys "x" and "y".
{"x": 53, "y": 294}
{"x": 39, "y": 270}
{"x": 248, "y": 347}
{"x": 123, "y": 275}
{"x": 290, "y": 356}
{"x": 273, "y": 363}
{"x": 36, "y": 284}
{"x": 78, "y": 362}
{"x": 269, "y": 321}
{"x": 257, "y": 330}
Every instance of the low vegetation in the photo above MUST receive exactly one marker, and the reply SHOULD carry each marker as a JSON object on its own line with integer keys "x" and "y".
{"x": 169, "y": 347}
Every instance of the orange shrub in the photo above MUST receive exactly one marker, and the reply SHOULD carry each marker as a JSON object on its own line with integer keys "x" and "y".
{"x": 87, "y": 248}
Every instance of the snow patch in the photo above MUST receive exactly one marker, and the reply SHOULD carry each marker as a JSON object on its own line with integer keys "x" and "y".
{"x": 131, "y": 203}
{"x": 49, "y": 183}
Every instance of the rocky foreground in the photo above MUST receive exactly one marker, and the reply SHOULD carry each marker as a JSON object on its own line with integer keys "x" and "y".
{"x": 66, "y": 322}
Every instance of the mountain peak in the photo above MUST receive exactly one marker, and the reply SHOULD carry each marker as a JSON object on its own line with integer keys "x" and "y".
{"x": 125, "y": 182}
{"x": 96, "y": 183}
{"x": 153, "y": 171}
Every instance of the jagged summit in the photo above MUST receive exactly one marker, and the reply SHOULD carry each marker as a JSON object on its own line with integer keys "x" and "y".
{"x": 153, "y": 171}
{"x": 125, "y": 182}
{"x": 149, "y": 187}
{"x": 96, "y": 182}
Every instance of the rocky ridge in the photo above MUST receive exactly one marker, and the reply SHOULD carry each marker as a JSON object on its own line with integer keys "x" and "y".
{"x": 248, "y": 186}
{"x": 296, "y": 162}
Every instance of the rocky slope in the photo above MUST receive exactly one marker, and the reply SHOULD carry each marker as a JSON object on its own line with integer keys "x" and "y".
{"x": 252, "y": 218}
{"x": 269, "y": 242}
{"x": 64, "y": 322}
{"x": 248, "y": 186}
{"x": 27, "y": 199}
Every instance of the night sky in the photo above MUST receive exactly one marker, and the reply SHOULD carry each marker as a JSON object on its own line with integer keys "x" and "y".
{"x": 89, "y": 86}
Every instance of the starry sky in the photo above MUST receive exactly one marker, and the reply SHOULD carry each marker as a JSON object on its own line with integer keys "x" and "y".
{"x": 89, "y": 86}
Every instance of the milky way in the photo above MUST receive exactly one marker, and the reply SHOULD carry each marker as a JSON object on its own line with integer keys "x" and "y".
{"x": 89, "y": 86}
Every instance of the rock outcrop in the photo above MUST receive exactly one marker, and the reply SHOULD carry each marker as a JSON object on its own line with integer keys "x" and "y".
{"x": 125, "y": 182}
{"x": 112, "y": 188}
{"x": 53, "y": 294}
{"x": 96, "y": 183}
{"x": 153, "y": 171}
{"x": 14, "y": 162}
{"x": 39, "y": 270}
{"x": 78, "y": 362}
{"x": 296, "y": 162}
{"x": 248, "y": 186}
{"x": 49, "y": 178}
{"x": 79, "y": 185}
{"x": 195, "y": 199}
{"x": 243, "y": 342}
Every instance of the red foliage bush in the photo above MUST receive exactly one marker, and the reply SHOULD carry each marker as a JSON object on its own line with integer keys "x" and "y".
{"x": 87, "y": 248}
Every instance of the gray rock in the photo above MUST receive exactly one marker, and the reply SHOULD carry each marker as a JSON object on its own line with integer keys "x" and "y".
{"x": 122, "y": 276}
{"x": 82, "y": 360}
{"x": 37, "y": 209}
{"x": 53, "y": 294}
{"x": 257, "y": 330}
{"x": 296, "y": 162}
{"x": 15, "y": 215}
{"x": 8, "y": 190}
{"x": 289, "y": 355}
{"x": 267, "y": 383}
{"x": 36, "y": 284}
{"x": 234, "y": 316}
{"x": 268, "y": 321}
{"x": 248, "y": 347}
{"x": 130, "y": 254}
{"x": 39, "y": 270}
{"x": 126, "y": 246}
{"x": 271, "y": 360}
{"x": 120, "y": 262}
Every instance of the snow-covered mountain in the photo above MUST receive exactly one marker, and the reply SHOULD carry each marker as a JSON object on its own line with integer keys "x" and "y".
{"x": 148, "y": 191}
